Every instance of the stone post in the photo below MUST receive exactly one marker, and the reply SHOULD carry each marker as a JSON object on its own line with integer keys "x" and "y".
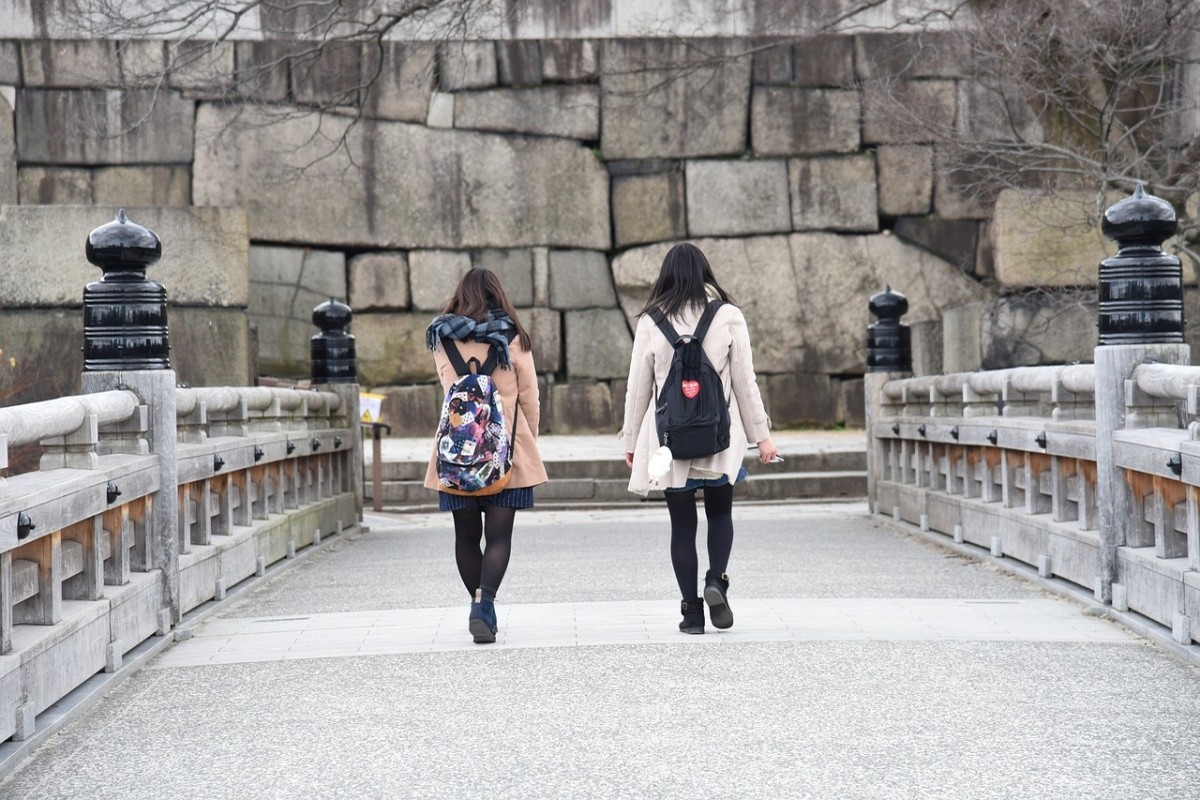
{"x": 1141, "y": 321}
{"x": 335, "y": 369}
{"x": 889, "y": 357}
{"x": 125, "y": 347}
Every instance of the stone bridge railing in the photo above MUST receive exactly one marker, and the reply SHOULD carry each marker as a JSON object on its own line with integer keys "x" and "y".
{"x": 150, "y": 500}
{"x": 1088, "y": 472}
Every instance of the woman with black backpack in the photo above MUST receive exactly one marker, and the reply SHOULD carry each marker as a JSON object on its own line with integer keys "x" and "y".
{"x": 691, "y": 406}
{"x": 485, "y": 459}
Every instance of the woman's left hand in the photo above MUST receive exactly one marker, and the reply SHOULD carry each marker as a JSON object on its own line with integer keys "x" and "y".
{"x": 629, "y": 460}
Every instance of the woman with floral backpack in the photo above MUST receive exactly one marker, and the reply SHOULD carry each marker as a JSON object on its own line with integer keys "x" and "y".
{"x": 478, "y": 330}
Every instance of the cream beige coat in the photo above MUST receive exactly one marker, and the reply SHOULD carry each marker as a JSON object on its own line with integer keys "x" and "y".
{"x": 727, "y": 346}
{"x": 518, "y": 389}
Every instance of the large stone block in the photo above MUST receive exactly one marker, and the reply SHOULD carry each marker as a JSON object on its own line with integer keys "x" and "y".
{"x": 545, "y": 329}
{"x": 570, "y": 60}
{"x": 905, "y": 179}
{"x": 85, "y": 63}
{"x": 8, "y": 154}
{"x": 98, "y": 127}
{"x": 1040, "y": 239}
{"x": 988, "y": 113}
{"x": 648, "y": 208}
{"x": 580, "y": 279}
{"x": 10, "y": 63}
{"x": 54, "y": 186}
{"x": 262, "y": 71}
{"x": 405, "y": 82}
{"x": 514, "y": 268}
{"x": 204, "y": 261}
{"x": 953, "y": 240}
{"x": 798, "y": 399}
{"x": 412, "y": 410}
{"x": 433, "y": 275}
{"x": 772, "y": 62}
{"x": 961, "y": 189}
{"x": 834, "y": 193}
{"x": 824, "y": 61}
{"x": 831, "y": 335}
{"x": 142, "y": 186}
{"x": 786, "y": 121}
{"x": 519, "y": 62}
{"x": 467, "y": 65}
{"x": 908, "y": 112}
{"x": 1039, "y": 328}
{"x": 286, "y": 284}
{"x": 927, "y": 337}
{"x": 200, "y": 68}
{"x": 582, "y": 408}
{"x": 852, "y": 402}
{"x": 391, "y": 349}
{"x": 569, "y": 111}
{"x": 598, "y": 344}
{"x": 476, "y": 189}
{"x": 211, "y": 346}
{"x": 927, "y": 54}
{"x": 328, "y": 76}
{"x": 690, "y": 99}
{"x": 961, "y": 346}
{"x": 378, "y": 281}
{"x": 736, "y": 198}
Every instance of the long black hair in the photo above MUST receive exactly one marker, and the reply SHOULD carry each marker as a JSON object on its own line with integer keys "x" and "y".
{"x": 477, "y": 292}
{"x": 682, "y": 282}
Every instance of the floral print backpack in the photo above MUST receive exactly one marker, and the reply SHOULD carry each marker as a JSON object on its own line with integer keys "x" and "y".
{"x": 474, "y": 452}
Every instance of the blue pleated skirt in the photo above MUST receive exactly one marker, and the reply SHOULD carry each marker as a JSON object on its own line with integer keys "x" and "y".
{"x": 700, "y": 483}
{"x": 509, "y": 498}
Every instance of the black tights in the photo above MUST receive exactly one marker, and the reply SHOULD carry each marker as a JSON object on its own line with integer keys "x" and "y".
{"x": 483, "y": 570}
{"x": 718, "y": 510}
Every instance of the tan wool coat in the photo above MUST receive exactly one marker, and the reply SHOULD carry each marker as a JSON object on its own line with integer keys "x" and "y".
{"x": 727, "y": 346}
{"x": 518, "y": 389}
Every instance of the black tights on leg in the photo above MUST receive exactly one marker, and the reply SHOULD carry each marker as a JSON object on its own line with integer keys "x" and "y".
{"x": 483, "y": 570}
{"x": 682, "y": 508}
{"x": 718, "y": 510}
{"x": 497, "y": 532}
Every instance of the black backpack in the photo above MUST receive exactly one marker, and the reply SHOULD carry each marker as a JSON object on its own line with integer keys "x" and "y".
{"x": 691, "y": 412}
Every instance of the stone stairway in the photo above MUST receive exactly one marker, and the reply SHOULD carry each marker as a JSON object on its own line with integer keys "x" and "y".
{"x": 589, "y": 471}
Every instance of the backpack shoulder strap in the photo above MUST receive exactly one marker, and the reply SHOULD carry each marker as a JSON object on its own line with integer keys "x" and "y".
{"x": 461, "y": 367}
{"x": 706, "y": 319}
{"x": 660, "y": 319}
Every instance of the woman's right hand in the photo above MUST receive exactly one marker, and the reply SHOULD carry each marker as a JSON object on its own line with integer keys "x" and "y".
{"x": 629, "y": 460}
{"x": 767, "y": 451}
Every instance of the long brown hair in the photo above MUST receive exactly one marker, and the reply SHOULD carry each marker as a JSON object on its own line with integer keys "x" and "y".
{"x": 478, "y": 291}
{"x": 682, "y": 282}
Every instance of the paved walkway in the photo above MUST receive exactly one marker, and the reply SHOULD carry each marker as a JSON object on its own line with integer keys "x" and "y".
{"x": 864, "y": 662}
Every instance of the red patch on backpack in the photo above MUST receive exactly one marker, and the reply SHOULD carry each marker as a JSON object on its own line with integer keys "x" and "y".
{"x": 690, "y": 389}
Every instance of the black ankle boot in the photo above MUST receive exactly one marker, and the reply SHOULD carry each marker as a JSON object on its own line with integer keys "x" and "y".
{"x": 715, "y": 588}
{"x": 693, "y": 616}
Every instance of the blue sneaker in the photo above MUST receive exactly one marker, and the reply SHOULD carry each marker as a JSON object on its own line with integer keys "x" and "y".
{"x": 482, "y": 622}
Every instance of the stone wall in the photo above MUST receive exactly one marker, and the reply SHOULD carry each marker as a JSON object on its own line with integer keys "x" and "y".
{"x": 569, "y": 166}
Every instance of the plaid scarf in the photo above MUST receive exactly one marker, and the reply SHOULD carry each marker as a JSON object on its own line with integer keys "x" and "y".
{"x": 496, "y": 330}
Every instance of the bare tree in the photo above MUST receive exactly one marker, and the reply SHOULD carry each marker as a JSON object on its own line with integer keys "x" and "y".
{"x": 1068, "y": 96}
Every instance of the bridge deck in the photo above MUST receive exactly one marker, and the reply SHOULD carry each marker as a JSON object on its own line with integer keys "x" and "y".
{"x": 864, "y": 662}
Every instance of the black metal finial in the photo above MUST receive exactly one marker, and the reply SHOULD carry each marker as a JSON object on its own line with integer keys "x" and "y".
{"x": 889, "y": 342}
{"x": 332, "y": 350}
{"x": 1141, "y": 287}
{"x": 124, "y": 314}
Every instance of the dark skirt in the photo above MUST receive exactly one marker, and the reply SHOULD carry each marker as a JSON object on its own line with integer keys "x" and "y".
{"x": 509, "y": 498}
{"x": 702, "y": 483}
